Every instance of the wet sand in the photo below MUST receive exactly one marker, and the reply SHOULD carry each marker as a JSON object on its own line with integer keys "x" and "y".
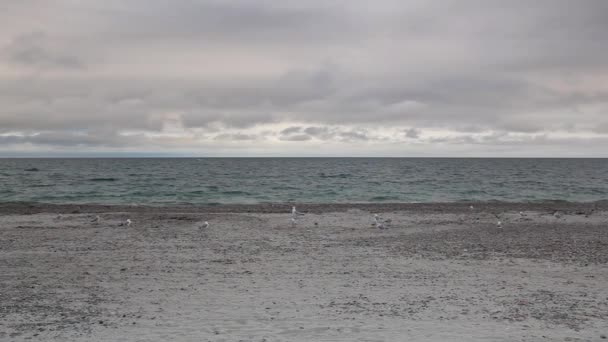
{"x": 440, "y": 272}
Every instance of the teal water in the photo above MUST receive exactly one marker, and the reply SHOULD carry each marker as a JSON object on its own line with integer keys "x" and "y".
{"x": 316, "y": 180}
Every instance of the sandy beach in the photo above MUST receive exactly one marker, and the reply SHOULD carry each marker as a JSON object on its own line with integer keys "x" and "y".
{"x": 439, "y": 272}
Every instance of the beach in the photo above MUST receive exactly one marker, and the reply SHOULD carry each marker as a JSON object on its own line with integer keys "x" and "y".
{"x": 439, "y": 272}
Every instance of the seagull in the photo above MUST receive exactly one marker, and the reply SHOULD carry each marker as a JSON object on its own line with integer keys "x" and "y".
{"x": 379, "y": 223}
{"x": 97, "y": 219}
{"x": 376, "y": 218}
{"x": 557, "y": 214}
{"x": 499, "y": 224}
{"x": 471, "y": 208}
{"x": 294, "y": 212}
{"x": 126, "y": 223}
{"x": 204, "y": 225}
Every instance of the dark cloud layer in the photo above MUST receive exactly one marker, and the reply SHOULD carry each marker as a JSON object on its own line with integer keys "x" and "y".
{"x": 177, "y": 75}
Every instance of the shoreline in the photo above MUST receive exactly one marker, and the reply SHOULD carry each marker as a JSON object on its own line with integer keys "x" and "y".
{"x": 8, "y": 208}
{"x": 439, "y": 272}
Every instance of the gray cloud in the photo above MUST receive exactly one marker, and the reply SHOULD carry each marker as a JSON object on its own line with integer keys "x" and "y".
{"x": 296, "y": 137}
{"x": 37, "y": 51}
{"x": 324, "y": 133}
{"x": 72, "y": 139}
{"x": 236, "y": 137}
{"x": 343, "y": 71}
{"x": 291, "y": 130}
{"x": 412, "y": 133}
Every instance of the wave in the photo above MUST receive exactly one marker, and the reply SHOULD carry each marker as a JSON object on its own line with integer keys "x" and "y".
{"x": 41, "y": 185}
{"x": 235, "y": 192}
{"x": 103, "y": 179}
{"x": 384, "y": 198}
{"x": 339, "y": 175}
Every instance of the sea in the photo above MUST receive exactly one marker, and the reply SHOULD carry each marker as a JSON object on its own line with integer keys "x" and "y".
{"x": 162, "y": 181}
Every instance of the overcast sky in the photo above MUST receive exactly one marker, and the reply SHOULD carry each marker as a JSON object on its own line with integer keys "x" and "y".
{"x": 304, "y": 78}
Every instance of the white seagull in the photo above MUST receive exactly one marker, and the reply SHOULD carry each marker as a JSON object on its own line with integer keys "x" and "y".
{"x": 97, "y": 219}
{"x": 499, "y": 224}
{"x": 204, "y": 225}
{"x": 126, "y": 223}
{"x": 379, "y": 223}
{"x": 294, "y": 212}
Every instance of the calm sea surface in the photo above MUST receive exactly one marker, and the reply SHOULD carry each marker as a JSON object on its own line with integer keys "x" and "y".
{"x": 321, "y": 180}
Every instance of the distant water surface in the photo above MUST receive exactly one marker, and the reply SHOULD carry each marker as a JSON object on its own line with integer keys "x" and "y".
{"x": 316, "y": 180}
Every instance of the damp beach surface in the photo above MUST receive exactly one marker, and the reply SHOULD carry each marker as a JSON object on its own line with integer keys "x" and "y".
{"x": 439, "y": 272}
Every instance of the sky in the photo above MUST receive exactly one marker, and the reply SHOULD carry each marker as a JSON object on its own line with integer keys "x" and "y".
{"x": 403, "y": 78}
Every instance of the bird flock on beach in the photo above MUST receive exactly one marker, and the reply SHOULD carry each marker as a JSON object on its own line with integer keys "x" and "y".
{"x": 377, "y": 221}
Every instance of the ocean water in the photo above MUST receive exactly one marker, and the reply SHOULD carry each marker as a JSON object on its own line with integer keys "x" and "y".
{"x": 313, "y": 180}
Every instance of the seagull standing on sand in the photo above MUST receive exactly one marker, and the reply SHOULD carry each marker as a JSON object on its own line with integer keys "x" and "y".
{"x": 204, "y": 225}
{"x": 97, "y": 219}
{"x": 499, "y": 224}
{"x": 126, "y": 223}
{"x": 295, "y": 213}
{"x": 379, "y": 223}
{"x": 294, "y": 216}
